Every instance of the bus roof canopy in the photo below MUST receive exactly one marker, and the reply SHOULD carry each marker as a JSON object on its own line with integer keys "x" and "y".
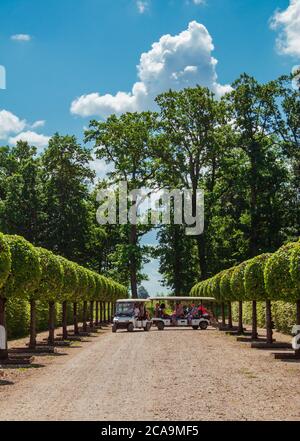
{"x": 132, "y": 300}
{"x": 192, "y": 299}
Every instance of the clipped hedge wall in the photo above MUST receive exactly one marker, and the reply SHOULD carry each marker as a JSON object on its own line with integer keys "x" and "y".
{"x": 283, "y": 315}
{"x": 18, "y": 316}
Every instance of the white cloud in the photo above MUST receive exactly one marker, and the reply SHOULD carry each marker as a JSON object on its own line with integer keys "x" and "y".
{"x": 174, "y": 62}
{"x": 33, "y": 138}
{"x": 10, "y": 124}
{"x": 288, "y": 21}
{"x": 38, "y": 124}
{"x": 21, "y": 37}
{"x": 100, "y": 167}
{"x": 198, "y": 2}
{"x": 142, "y": 6}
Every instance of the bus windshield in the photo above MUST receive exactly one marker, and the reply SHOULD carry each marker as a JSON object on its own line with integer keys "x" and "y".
{"x": 125, "y": 309}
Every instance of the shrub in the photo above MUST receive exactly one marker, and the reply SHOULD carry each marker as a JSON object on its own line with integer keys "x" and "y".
{"x": 5, "y": 260}
{"x": 226, "y": 294}
{"x": 237, "y": 286}
{"x": 254, "y": 278}
{"x": 70, "y": 279}
{"x": 278, "y": 280}
{"x": 52, "y": 279}
{"x": 91, "y": 285}
{"x": 295, "y": 271}
{"x": 25, "y": 271}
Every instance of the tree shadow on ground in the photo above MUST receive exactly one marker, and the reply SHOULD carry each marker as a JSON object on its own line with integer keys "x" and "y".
{"x": 6, "y": 383}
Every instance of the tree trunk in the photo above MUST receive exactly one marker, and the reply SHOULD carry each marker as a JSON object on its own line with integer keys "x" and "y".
{"x": 240, "y": 325}
{"x": 51, "y": 323}
{"x": 97, "y": 314}
{"x": 297, "y": 351}
{"x": 64, "y": 321}
{"x": 229, "y": 316}
{"x": 101, "y": 312}
{"x": 75, "y": 319}
{"x": 32, "y": 341}
{"x": 223, "y": 314}
{"x": 201, "y": 245}
{"x": 177, "y": 261}
{"x": 254, "y": 190}
{"x": 92, "y": 314}
{"x": 254, "y": 334}
{"x": 4, "y": 350}
{"x": 132, "y": 261}
{"x": 84, "y": 318}
{"x": 269, "y": 323}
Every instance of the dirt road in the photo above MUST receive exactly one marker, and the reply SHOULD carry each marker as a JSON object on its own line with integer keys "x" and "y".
{"x": 171, "y": 375}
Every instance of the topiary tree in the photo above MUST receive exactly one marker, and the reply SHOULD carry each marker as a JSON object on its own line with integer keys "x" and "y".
{"x": 68, "y": 290}
{"x": 80, "y": 296}
{"x": 295, "y": 275}
{"x": 50, "y": 286}
{"x": 277, "y": 275}
{"x": 91, "y": 293}
{"x": 226, "y": 294}
{"x": 5, "y": 269}
{"x": 25, "y": 272}
{"x": 255, "y": 290}
{"x": 238, "y": 291}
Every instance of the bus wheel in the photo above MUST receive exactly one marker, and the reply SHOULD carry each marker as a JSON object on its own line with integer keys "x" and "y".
{"x": 130, "y": 327}
{"x": 203, "y": 325}
{"x": 114, "y": 328}
{"x": 195, "y": 327}
{"x": 147, "y": 327}
{"x": 160, "y": 326}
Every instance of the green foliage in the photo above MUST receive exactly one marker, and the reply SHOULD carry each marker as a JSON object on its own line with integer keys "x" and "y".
{"x": 91, "y": 286}
{"x": 81, "y": 292}
{"x": 25, "y": 272}
{"x": 283, "y": 315}
{"x": 52, "y": 279}
{"x": 295, "y": 270}
{"x": 237, "y": 282}
{"x": 5, "y": 260}
{"x": 254, "y": 278}
{"x": 225, "y": 285}
{"x": 278, "y": 281}
{"x": 70, "y": 279}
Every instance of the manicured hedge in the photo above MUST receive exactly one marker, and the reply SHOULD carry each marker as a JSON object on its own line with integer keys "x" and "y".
{"x": 25, "y": 272}
{"x": 268, "y": 277}
{"x": 5, "y": 260}
{"x": 37, "y": 275}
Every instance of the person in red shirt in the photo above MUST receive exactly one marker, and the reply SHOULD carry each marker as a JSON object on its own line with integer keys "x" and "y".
{"x": 202, "y": 310}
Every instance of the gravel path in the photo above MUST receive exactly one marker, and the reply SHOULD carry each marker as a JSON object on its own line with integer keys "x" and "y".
{"x": 176, "y": 374}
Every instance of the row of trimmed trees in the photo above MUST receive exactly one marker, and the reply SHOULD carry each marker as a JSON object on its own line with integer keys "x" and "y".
{"x": 267, "y": 277}
{"x": 36, "y": 274}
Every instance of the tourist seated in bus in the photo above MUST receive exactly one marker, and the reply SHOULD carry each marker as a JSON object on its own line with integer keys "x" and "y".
{"x": 137, "y": 311}
{"x": 157, "y": 311}
{"x": 179, "y": 310}
{"x": 163, "y": 313}
{"x": 193, "y": 313}
{"x": 202, "y": 310}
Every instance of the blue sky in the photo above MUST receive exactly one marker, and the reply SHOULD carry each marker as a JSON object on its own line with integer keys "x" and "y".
{"x": 85, "y": 52}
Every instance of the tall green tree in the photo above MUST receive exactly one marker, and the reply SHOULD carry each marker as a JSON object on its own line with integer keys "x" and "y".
{"x": 21, "y": 192}
{"x": 190, "y": 146}
{"x": 250, "y": 113}
{"x": 125, "y": 143}
{"x": 66, "y": 177}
